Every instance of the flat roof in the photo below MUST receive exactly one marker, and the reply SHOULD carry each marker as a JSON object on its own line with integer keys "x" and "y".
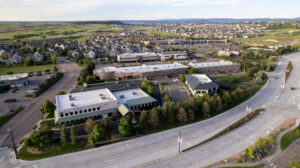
{"x": 82, "y": 99}
{"x": 13, "y": 76}
{"x": 124, "y": 95}
{"x": 133, "y": 55}
{"x": 201, "y": 78}
{"x": 211, "y": 64}
{"x": 142, "y": 68}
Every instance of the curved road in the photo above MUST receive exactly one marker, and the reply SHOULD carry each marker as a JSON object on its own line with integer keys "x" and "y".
{"x": 24, "y": 121}
{"x": 147, "y": 150}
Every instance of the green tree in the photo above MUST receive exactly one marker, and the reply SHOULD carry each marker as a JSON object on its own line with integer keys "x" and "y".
{"x": 104, "y": 123}
{"x": 250, "y": 151}
{"x": 260, "y": 142}
{"x": 88, "y": 125}
{"x": 206, "y": 109}
{"x": 191, "y": 115}
{"x": 154, "y": 119}
{"x": 73, "y": 134}
{"x": 53, "y": 59}
{"x": 63, "y": 134}
{"x": 96, "y": 135}
{"x": 48, "y": 107}
{"x": 219, "y": 105}
{"x": 39, "y": 139}
{"x": 28, "y": 61}
{"x": 55, "y": 69}
{"x": 182, "y": 116}
{"x": 193, "y": 70}
{"x": 271, "y": 140}
{"x": 62, "y": 92}
{"x": 90, "y": 67}
{"x": 125, "y": 127}
{"x": 143, "y": 120}
{"x": 181, "y": 78}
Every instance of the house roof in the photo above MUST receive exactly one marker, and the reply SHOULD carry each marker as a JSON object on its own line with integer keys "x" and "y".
{"x": 200, "y": 82}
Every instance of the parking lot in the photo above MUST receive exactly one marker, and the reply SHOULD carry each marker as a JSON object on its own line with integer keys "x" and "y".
{"x": 174, "y": 88}
{"x": 19, "y": 95}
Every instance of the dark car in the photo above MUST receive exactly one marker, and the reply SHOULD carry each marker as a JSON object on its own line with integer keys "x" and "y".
{"x": 10, "y": 100}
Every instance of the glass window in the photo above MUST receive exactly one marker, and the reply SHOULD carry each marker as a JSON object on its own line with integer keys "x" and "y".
{"x": 76, "y": 112}
{"x": 85, "y": 111}
{"x": 94, "y": 109}
{"x": 61, "y": 115}
{"x": 66, "y": 114}
{"x": 90, "y": 110}
{"x": 71, "y": 113}
{"x": 98, "y": 108}
{"x": 80, "y": 111}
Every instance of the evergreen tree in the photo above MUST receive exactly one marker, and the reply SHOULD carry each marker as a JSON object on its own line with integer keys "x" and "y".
{"x": 143, "y": 120}
{"x": 182, "y": 116}
{"x": 125, "y": 127}
{"x": 154, "y": 118}
{"x": 63, "y": 134}
{"x": 205, "y": 109}
{"x": 73, "y": 134}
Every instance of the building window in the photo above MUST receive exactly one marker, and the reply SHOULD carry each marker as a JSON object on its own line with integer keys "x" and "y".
{"x": 110, "y": 114}
{"x": 71, "y": 113}
{"x": 80, "y": 112}
{"x": 85, "y": 110}
{"x": 61, "y": 115}
{"x": 66, "y": 114}
{"x": 94, "y": 109}
{"x": 90, "y": 110}
{"x": 98, "y": 108}
{"x": 76, "y": 112}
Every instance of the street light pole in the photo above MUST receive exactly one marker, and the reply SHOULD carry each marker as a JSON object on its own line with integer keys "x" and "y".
{"x": 13, "y": 141}
{"x": 179, "y": 142}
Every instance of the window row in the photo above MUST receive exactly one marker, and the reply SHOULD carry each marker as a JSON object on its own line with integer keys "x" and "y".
{"x": 79, "y": 112}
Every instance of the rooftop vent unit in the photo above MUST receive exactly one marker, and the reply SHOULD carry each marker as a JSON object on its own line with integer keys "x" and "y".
{"x": 134, "y": 93}
{"x": 72, "y": 104}
{"x": 103, "y": 98}
{"x": 122, "y": 96}
{"x": 71, "y": 97}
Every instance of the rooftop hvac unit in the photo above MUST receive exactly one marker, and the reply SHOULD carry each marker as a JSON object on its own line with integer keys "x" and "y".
{"x": 134, "y": 93}
{"x": 71, "y": 97}
{"x": 122, "y": 97}
{"x": 103, "y": 98}
{"x": 72, "y": 104}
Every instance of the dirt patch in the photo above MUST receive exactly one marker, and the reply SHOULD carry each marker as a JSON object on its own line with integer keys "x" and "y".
{"x": 272, "y": 40}
{"x": 33, "y": 150}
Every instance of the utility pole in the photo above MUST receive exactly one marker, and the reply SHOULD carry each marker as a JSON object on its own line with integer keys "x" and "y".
{"x": 13, "y": 141}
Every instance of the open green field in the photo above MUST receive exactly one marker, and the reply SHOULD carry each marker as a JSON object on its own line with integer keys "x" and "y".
{"x": 278, "y": 36}
{"x": 23, "y": 69}
{"x": 22, "y": 31}
{"x": 289, "y": 138}
{"x": 158, "y": 33}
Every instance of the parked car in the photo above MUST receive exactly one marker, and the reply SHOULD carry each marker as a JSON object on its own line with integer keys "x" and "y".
{"x": 10, "y": 100}
{"x": 34, "y": 90}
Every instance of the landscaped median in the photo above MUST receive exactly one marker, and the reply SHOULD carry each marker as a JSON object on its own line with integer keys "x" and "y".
{"x": 42, "y": 87}
{"x": 289, "y": 137}
{"x": 233, "y": 126}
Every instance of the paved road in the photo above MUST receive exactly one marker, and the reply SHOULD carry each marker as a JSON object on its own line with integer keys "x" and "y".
{"x": 137, "y": 152}
{"x": 23, "y": 122}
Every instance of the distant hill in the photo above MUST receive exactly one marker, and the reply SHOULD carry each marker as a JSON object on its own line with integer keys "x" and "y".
{"x": 213, "y": 20}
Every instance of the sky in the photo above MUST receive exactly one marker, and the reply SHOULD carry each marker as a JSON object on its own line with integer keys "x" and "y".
{"x": 75, "y": 10}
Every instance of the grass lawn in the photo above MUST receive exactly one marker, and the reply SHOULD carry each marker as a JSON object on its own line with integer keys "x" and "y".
{"x": 258, "y": 166}
{"x": 23, "y": 69}
{"x": 5, "y": 119}
{"x": 289, "y": 138}
{"x": 278, "y": 36}
{"x": 53, "y": 151}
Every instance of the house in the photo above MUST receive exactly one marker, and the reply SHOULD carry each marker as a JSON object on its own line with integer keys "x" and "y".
{"x": 37, "y": 57}
{"x": 176, "y": 55}
{"x": 200, "y": 84}
{"x": 90, "y": 54}
{"x": 16, "y": 59}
